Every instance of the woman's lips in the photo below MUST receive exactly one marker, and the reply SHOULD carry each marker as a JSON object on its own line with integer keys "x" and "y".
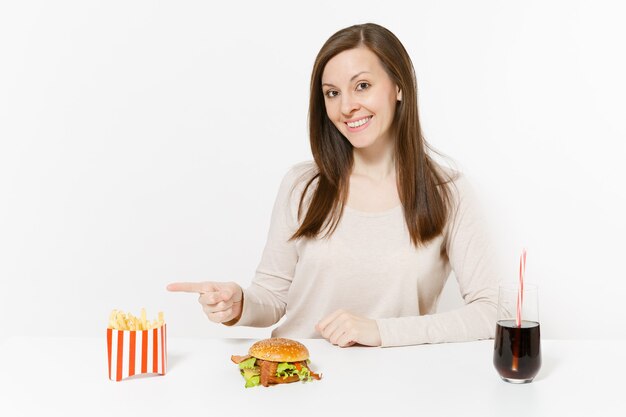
{"x": 359, "y": 128}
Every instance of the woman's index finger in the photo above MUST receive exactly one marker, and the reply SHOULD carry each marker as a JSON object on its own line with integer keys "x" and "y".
{"x": 197, "y": 287}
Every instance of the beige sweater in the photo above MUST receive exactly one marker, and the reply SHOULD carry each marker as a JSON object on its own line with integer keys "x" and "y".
{"x": 370, "y": 268}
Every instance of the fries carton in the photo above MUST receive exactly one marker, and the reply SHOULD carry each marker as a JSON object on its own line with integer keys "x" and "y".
{"x": 134, "y": 352}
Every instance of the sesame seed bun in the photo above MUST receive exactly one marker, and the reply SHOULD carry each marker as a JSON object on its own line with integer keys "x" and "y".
{"x": 278, "y": 349}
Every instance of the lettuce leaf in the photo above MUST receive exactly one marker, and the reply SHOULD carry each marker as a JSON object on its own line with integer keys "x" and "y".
{"x": 286, "y": 369}
{"x": 252, "y": 376}
{"x": 304, "y": 374}
{"x": 247, "y": 364}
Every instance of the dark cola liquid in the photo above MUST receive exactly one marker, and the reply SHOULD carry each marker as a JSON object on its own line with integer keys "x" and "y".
{"x": 517, "y": 350}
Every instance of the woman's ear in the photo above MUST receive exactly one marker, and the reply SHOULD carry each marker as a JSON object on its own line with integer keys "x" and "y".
{"x": 398, "y": 94}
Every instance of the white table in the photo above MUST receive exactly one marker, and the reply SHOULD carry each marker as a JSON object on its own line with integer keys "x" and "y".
{"x": 69, "y": 376}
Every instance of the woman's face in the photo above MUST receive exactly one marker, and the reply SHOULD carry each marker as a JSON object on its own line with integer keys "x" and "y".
{"x": 360, "y": 97}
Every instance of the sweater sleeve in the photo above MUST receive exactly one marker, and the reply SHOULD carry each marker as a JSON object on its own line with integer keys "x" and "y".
{"x": 266, "y": 298}
{"x": 471, "y": 256}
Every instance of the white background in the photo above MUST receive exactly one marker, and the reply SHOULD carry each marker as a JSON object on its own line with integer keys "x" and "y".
{"x": 143, "y": 143}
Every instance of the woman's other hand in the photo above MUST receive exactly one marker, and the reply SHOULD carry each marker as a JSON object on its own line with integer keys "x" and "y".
{"x": 345, "y": 329}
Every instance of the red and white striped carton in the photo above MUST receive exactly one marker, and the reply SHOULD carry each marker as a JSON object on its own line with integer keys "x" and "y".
{"x": 137, "y": 352}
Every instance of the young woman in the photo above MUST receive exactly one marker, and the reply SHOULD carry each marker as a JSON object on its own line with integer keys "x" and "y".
{"x": 363, "y": 238}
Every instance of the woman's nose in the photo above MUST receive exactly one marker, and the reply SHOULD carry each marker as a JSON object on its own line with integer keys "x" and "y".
{"x": 348, "y": 104}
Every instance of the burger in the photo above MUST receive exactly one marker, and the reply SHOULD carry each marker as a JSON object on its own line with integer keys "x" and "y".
{"x": 275, "y": 361}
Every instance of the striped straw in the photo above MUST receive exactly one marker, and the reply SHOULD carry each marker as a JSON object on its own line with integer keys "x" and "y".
{"x": 520, "y": 290}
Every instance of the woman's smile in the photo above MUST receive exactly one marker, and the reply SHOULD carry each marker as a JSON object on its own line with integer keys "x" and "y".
{"x": 358, "y": 125}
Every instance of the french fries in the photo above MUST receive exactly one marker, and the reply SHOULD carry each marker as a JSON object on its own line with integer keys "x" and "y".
{"x": 118, "y": 320}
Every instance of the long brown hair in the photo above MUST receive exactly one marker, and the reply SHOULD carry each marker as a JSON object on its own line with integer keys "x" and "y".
{"x": 421, "y": 187}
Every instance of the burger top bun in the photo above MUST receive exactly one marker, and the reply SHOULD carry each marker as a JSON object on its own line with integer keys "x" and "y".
{"x": 278, "y": 349}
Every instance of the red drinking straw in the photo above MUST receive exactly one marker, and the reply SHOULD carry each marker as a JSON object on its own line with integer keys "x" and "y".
{"x": 520, "y": 290}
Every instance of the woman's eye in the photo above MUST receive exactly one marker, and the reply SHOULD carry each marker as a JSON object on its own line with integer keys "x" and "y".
{"x": 360, "y": 87}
